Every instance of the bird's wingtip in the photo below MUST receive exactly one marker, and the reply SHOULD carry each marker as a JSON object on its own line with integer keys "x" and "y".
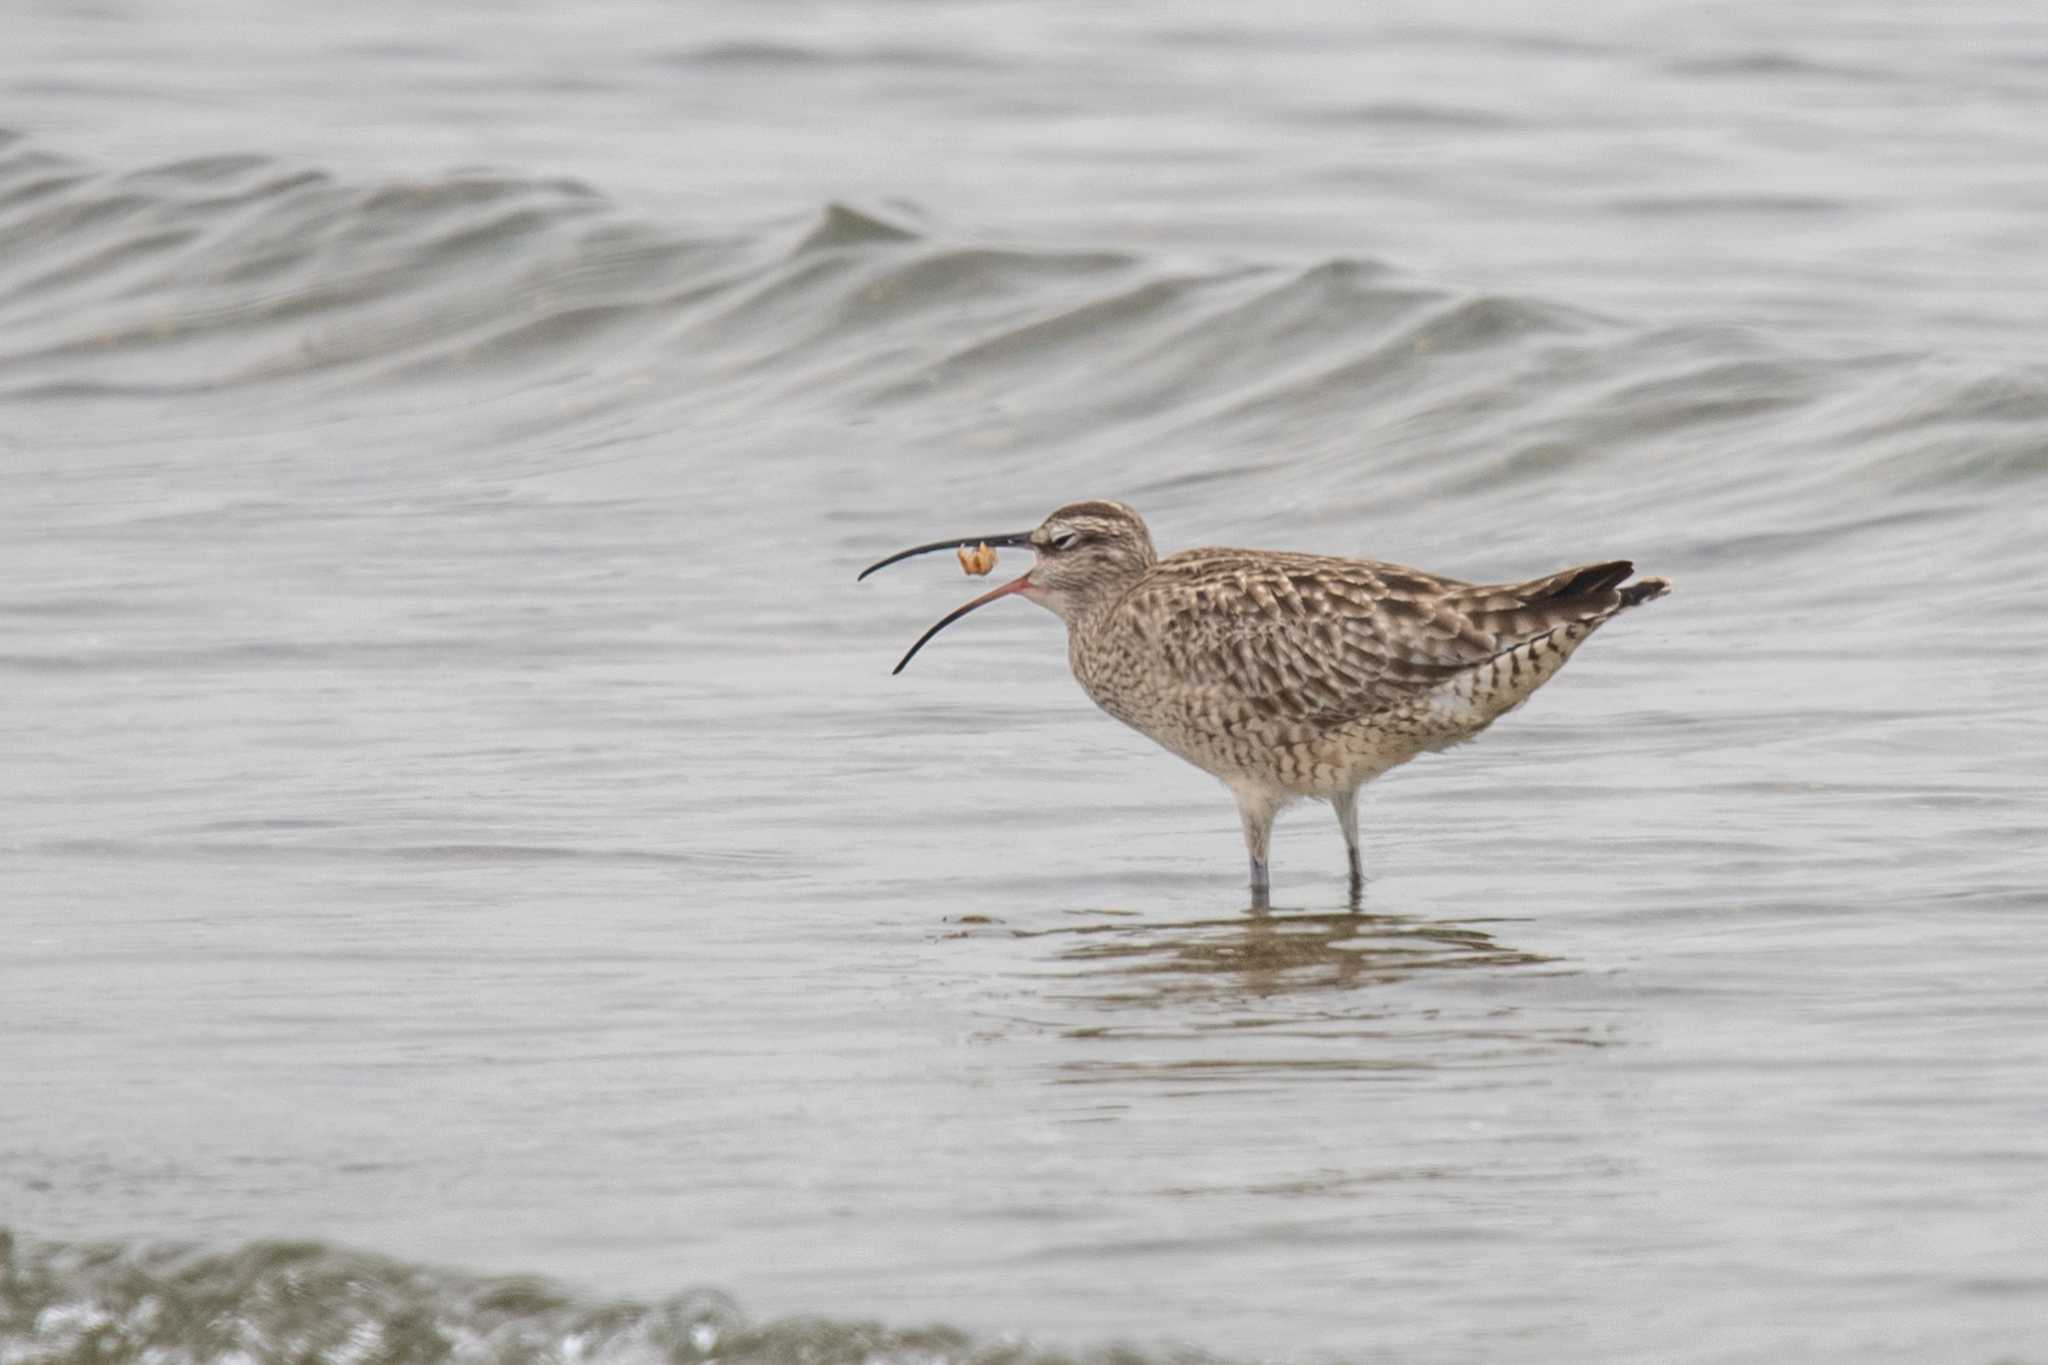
{"x": 1644, "y": 590}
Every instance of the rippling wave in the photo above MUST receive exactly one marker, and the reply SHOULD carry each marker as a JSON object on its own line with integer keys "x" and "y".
{"x": 237, "y": 272}
{"x": 302, "y": 1301}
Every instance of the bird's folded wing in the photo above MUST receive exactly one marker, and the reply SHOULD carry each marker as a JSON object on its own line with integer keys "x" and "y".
{"x": 1320, "y": 642}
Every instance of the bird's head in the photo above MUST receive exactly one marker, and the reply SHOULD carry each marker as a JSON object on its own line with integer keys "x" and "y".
{"x": 1089, "y": 553}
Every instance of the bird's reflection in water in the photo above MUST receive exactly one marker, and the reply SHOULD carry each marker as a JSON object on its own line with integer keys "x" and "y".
{"x": 1237, "y": 1002}
{"x": 1240, "y": 1002}
{"x": 1267, "y": 953}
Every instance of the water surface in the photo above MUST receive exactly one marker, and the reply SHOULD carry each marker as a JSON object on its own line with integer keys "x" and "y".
{"x": 457, "y": 807}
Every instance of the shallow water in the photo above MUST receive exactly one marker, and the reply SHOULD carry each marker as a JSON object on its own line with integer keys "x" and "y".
{"x": 457, "y": 806}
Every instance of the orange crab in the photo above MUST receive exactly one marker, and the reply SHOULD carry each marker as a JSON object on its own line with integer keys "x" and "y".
{"x": 978, "y": 560}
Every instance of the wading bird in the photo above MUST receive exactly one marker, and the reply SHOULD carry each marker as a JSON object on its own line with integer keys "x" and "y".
{"x": 1290, "y": 675}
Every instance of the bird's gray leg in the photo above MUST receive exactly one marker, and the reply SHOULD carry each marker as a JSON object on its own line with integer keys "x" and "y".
{"x": 1347, "y": 819}
{"x": 1257, "y": 812}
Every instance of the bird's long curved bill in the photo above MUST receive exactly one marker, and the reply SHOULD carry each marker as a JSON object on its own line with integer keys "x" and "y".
{"x": 1012, "y": 540}
{"x": 1014, "y": 585}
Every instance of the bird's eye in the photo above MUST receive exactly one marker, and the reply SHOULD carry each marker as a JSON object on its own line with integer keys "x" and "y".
{"x": 1066, "y": 540}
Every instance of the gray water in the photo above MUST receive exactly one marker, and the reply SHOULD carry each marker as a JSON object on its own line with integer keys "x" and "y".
{"x": 455, "y": 810}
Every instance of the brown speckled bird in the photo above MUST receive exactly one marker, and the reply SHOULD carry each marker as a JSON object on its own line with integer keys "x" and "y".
{"x": 1290, "y": 675}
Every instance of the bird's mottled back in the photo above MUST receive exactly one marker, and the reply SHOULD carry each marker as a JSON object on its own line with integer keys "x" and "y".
{"x": 1298, "y": 637}
{"x": 1234, "y": 650}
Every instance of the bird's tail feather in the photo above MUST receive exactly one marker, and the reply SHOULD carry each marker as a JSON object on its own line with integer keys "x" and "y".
{"x": 1592, "y": 580}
